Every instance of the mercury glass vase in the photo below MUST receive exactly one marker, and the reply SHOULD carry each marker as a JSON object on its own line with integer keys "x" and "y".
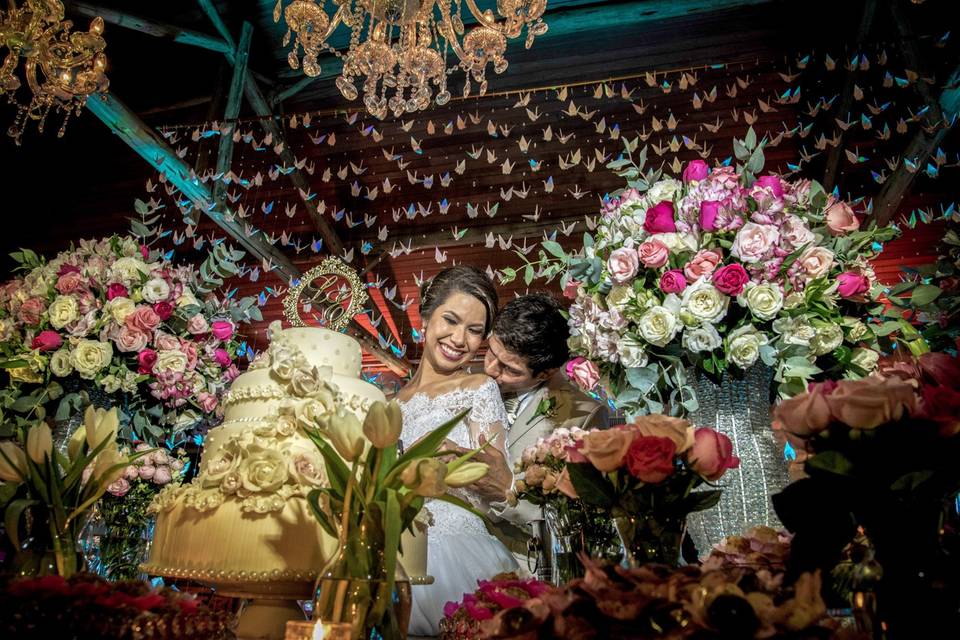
{"x": 740, "y": 408}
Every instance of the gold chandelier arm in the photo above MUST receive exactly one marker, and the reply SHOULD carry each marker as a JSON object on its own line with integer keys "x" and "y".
{"x": 336, "y": 20}
{"x": 448, "y": 32}
{"x": 485, "y": 19}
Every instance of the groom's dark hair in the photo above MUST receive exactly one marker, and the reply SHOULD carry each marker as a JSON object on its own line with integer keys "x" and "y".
{"x": 533, "y": 327}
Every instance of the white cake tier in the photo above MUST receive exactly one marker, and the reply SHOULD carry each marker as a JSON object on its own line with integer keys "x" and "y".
{"x": 325, "y": 348}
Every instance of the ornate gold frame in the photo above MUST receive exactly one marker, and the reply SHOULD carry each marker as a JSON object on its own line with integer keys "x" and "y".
{"x": 333, "y": 267}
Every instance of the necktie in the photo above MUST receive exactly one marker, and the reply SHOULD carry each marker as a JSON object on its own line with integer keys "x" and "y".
{"x": 511, "y": 404}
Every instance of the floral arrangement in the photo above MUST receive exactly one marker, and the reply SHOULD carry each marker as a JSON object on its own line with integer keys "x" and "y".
{"x": 113, "y": 316}
{"x": 722, "y": 271}
{"x": 462, "y": 620}
{"x": 761, "y": 547}
{"x": 657, "y": 602}
{"x": 92, "y": 608}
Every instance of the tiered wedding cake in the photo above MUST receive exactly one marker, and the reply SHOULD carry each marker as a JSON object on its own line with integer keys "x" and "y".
{"x": 243, "y": 524}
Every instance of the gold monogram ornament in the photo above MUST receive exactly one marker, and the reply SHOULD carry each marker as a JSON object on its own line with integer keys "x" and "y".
{"x": 331, "y": 292}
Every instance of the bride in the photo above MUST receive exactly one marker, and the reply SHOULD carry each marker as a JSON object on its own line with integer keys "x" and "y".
{"x": 457, "y": 308}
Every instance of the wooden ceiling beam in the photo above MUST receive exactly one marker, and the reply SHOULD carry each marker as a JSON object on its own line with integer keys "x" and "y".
{"x": 232, "y": 110}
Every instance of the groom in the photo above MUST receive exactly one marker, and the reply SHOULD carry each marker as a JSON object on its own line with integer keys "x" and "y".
{"x": 525, "y": 356}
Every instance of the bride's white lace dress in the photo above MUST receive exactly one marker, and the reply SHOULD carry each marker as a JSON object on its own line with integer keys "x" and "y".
{"x": 459, "y": 549}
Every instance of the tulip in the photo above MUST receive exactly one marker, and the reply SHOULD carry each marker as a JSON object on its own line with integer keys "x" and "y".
{"x": 100, "y": 425}
{"x": 344, "y": 432}
{"x": 467, "y": 473}
{"x": 39, "y": 443}
{"x": 383, "y": 424}
{"x": 75, "y": 445}
{"x": 425, "y": 477}
{"x": 13, "y": 463}
{"x": 109, "y": 466}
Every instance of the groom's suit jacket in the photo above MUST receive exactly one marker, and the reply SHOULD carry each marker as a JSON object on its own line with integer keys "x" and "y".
{"x": 573, "y": 408}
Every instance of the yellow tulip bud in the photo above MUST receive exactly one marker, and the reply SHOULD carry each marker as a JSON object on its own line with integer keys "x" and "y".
{"x": 108, "y": 458}
{"x": 425, "y": 477}
{"x": 383, "y": 424}
{"x": 100, "y": 425}
{"x": 467, "y": 473}
{"x": 345, "y": 434}
{"x": 39, "y": 443}
{"x": 13, "y": 463}
{"x": 75, "y": 445}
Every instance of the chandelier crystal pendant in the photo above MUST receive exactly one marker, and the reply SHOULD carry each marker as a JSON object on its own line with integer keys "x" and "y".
{"x": 398, "y": 48}
{"x": 62, "y": 67}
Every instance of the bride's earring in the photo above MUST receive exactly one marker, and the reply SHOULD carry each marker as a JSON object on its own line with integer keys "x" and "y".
{"x": 420, "y": 336}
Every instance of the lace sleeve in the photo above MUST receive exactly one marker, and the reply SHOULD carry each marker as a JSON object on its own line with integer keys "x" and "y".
{"x": 488, "y": 417}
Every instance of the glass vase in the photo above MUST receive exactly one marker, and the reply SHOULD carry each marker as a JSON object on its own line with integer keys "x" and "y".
{"x": 739, "y": 407}
{"x": 650, "y": 539}
{"x": 46, "y": 551}
{"x": 116, "y": 542}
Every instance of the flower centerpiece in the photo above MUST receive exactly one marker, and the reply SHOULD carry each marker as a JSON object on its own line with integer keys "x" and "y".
{"x": 462, "y": 619}
{"x": 374, "y": 495}
{"x": 883, "y": 452}
{"x": 643, "y": 475}
{"x": 56, "y": 490}
{"x": 114, "y": 318}
{"x": 721, "y": 270}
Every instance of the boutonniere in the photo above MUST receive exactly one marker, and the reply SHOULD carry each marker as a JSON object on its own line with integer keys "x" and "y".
{"x": 546, "y": 408}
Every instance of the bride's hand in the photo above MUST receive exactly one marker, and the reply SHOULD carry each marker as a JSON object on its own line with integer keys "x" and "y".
{"x": 493, "y": 486}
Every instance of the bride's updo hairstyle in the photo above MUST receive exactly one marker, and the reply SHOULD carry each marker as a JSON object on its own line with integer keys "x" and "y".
{"x": 459, "y": 279}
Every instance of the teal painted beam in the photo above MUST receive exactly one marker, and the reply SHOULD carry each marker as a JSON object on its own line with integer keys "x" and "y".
{"x": 218, "y": 23}
{"x": 234, "y": 98}
{"x": 120, "y": 119}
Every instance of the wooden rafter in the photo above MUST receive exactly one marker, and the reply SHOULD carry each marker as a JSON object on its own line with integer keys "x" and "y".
{"x": 234, "y": 97}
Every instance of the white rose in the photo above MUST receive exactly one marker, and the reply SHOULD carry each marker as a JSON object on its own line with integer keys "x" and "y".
{"x": 619, "y": 297}
{"x": 677, "y": 242}
{"x": 743, "y": 346}
{"x": 214, "y": 468}
{"x": 170, "y": 361}
{"x": 38, "y": 282}
{"x": 702, "y": 338}
{"x": 60, "y": 363}
{"x": 156, "y": 290}
{"x": 795, "y": 232}
{"x": 793, "y": 300}
{"x": 128, "y": 270}
{"x": 704, "y": 302}
{"x": 865, "y": 358}
{"x": 658, "y": 326}
{"x": 666, "y": 189}
{"x": 631, "y": 352}
{"x": 110, "y": 384}
{"x": 856, "y": 330}
{"x": 119, "y": 308}
{"x": 826, "y": 339}
{"x": 187, "y": 299}
{"x": 754, "y": 242}
{"x": 764, "y": 300}
{"x": 263, "y": 470}
{"x": 6, "y": 329}
{"x": 91, "y": 356}
{"x": 63, "y": 311}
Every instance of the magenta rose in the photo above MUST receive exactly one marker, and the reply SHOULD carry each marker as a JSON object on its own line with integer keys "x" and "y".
{"x": 695, "y": 170}
{"x": 144, "y": 319}
{"x": 673, "y": 281}
{"x": 730, "y": 279}
{"x": 660, "y": 218}
{"x": 130, "y": 339}
{"x": 221, "y": 329}
{"x": 709, "y": 210}
{"x": 771, "y": 182}
{"x": 147, "y": 358}
{"x": 653, "y": 254}
{"x": 68, "y": 268}
{"x": 197, "y": 325}
{"x": 144, "y": 251}
{"x": 852, "y": 284}
{"x": 222, "y": 358}
{"x": 116, "y": 290}
{"x": 31, "y": 310}
{"x": 163, "y": 310}
{"x": 702, "y": 264}
{"x": 71, "y": 283}
{"x": 583, "y": 372}
{"x": 47, "y": 341}
{"x": 623, "y": 265}
{"x": 650, "y": 458}
{"x": 711, "y": 454}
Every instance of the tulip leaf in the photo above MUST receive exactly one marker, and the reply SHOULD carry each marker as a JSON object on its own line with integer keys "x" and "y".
{"x": 391, "y": 535}
{"x": 313, "y": 499}
{"x": 430, "y": 443}
{"x": 337, "y": 471}
{"x": 12, "y": 515}
{"x": 590, "y": 484}
{"x": 832, "y": 462}
{"x": 449, "y": 499}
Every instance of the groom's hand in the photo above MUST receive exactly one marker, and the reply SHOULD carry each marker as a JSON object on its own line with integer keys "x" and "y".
{"x": 493, "y": 487}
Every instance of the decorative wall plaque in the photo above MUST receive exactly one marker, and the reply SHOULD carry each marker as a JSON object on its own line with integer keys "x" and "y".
{"x": 328, "y": 296}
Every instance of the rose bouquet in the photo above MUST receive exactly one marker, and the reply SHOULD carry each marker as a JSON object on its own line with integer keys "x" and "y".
{"x": 462, "y": 620}
{"x": 112, "y": 317}
{"x": 722, "y": 271}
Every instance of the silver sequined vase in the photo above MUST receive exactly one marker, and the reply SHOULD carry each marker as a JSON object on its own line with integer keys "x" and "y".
{"x": 740, "y": 409}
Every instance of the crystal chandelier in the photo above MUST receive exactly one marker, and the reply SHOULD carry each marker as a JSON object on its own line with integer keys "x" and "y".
{"x": 398, "y": 48}
{"x": 62, "y": 67}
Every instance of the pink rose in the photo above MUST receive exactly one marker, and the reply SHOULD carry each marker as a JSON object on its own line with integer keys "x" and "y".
{"x": 222, "y": 329}
{"x": 841, "y": 219}
{"x": 31, "y": 310}
{"x": 806, "y": 414}
{"x": 147, "y": 471}
{"x": 197, "y": 325}
{"x": 653, "y": 253}
{"x": 166, "y": 342}
{"x": 570, "y": 290}
{"x": 709, "y": 210}
{"x": 572, "y": 454}
{"x": 163, "y": 310}
{"x": 162, "y": 476}
{"x": 583, "y": 372}
{"x": 144, "y": 251}
{"x": 712, "y": 454}
{"x": 673, "y": 281}
{"x": 852, "y": 284}
{"x": 47, "y": 341}
{"x": 147, "y": 358}
{"x": 132, "y": 472}
{"x": 117, "y": 290}
{"x": 71, "y": 283}
{"x": 730, "y": 279}
{"x": 795, "y": 233}
{"x": 207, "y": 401}
{"x": 130, "y": 339}
{"x": 755, "y": 242}
{"x": 623, "y": 265}
{"x": 144, "y": 319}
{"x": 660, "y": 218}
{"x": 565, "y": 485}
{"x": 119, "y": 487}
{"x": 222, "y": 357}
{"x": 702, "y": 264}
{"x": 231, "y": 373}
{"x": 606, "y": 448}
{"x": 871, "y": 402}
{"x": 695, "y": 170}
{"x": 190, "y": 350}
{"x": 650, "y": 459}
{"x": 771, "y": 183}
{"x": 815, "y": 262}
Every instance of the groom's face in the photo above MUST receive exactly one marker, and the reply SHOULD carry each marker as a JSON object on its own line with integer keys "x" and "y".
{"x": 508, "y": 369}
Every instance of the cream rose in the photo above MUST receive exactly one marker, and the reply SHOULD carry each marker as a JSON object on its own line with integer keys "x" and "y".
{"x": 676, "y": 242}
{"x": 619, "y": 297}
{"x": 663, "y": 190}
{"x": 91, "y": 356}
{"x": 263, "y": 470}
{"x": 743, "y": 346}
{"x": 128, "y": 270}
{"x": 60, "y": 363}
{"x": 865, "y": 358}
{"x": 119, "y": 308}
{"x": 701, "y": 338}
{"x": 187, "y": 299}
{"x": 704, "y": 302}
{"x": 170, "y": 361}
{"x": 156, "y": 290}
{"x": 795, "y": 232}
{"x": 306, "y": 467}
{"x": 754, "y": 242}
{"x": 63, "y": 311}
{"x": 631, "y": 352}
{"x": 658, "y": 326}
{"x": 305, "y": 381}
{"x": 763, "y": 300}
{"x": 815, "y": 262}
{"x": 796, "y": 331}
{"x": 826, "y": 339}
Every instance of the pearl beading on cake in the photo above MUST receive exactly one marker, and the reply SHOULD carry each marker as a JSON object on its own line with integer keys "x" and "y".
{"x": 270, "y": 392}
{"x": 274, "y": 575}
